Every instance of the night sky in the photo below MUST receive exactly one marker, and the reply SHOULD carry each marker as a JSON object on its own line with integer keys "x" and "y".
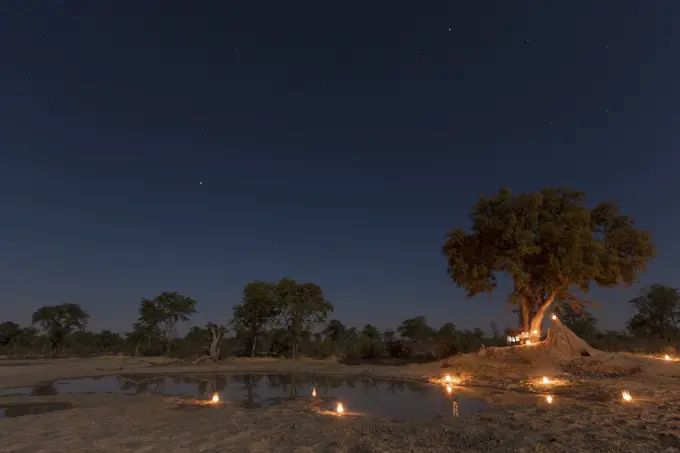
{"x": 153, "y": 146}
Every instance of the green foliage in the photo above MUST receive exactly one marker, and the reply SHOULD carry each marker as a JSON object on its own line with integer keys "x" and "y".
{"x": 258, "y": 307}
{"x": 59, "y": 321}
{"x": 416, "y": 329}
{"x": 335, "y": 331}
{"x": 578, "y": 319}
{"x": 657, "y": 313}
{"x": 548, "y": 242}
{"x": 301, "y": 305}
{"x": 95, "y": 343}
{"x": 9, "y": 333}
{"x": 160, "y": 315}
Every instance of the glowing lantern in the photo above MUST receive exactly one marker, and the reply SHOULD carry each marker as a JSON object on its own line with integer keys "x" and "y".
{"x": 667, "y": 357}
{"x": 626, "y": 396}
{"x": 447, "y": 378}
{"x": 554, "y": 317}
{"x": 549, "y": 399}
{"x": 546, "y": 380}
{"x": 314, "y": 393}
{"x": 216, "y": 398}
{"x": 340, "y": 408}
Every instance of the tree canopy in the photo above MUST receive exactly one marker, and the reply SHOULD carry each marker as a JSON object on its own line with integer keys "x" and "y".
{"x": 550, "y": 243}
{"x": 58, "y": 321}
{"x": 161, "y": 314}
{"x": 301, "y": 306}
{"x": 657, "y": 312}
{"x": 416, "y": 329}
{"x": 258, "y": 307}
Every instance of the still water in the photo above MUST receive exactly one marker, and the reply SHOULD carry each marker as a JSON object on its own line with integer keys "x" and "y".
{"x": 375, "y": 397}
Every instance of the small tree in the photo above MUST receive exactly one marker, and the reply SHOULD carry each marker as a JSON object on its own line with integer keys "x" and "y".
{"x": 549, "y": 243}
{"x": 163, "y": 313}
{"x": 257, "y": 308}
{"x": 301, "y": 306}
{"x": 59, "y": 321}
{"x": 216, "y": 335}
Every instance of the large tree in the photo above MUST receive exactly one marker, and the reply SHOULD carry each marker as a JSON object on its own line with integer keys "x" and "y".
{"x": 59, "y": 321}
{"x": 257, "y": 308}
{"x": 658, "y": 312}
{"x": 161, "y": 315}
{"x": 301, "y": 306}
{"x": 549, "y": 243}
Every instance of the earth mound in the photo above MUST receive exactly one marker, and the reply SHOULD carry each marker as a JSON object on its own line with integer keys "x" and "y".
{"x": 560, "y": 343}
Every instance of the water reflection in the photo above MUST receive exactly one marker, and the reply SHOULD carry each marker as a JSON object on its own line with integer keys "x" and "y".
{"x": 362, "y": 394}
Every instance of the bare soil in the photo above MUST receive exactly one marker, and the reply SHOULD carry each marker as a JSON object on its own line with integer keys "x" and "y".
{"x": 587, "y": 415}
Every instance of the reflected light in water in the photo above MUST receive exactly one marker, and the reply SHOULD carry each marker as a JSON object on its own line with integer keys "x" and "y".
{"x": 549, "y": 399}
{"x": 626, "y": 396}
{"x": 449, "y": 389}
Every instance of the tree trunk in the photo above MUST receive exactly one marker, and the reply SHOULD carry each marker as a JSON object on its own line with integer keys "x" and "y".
{"x": 216, "y": 337}
{"x": 526, "y": 310}
{"x": 252, "y": 348}
{"x": 214, "y": 352}
{"x": 537, "y": 319}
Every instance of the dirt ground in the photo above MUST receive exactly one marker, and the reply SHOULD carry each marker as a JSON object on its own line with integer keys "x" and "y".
{"x": 588, "y": 414}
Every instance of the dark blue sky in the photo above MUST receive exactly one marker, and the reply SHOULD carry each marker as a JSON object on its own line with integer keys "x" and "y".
{"x": 336, "y": 142}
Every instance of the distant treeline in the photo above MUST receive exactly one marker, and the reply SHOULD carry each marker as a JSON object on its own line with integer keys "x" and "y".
{"x": 287, "y": 318}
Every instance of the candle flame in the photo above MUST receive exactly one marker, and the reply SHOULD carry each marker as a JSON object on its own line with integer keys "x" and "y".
{"x": 340, "y": 408}
{"x": 549, "y": 399}
{"x": 314, "y": 392}
{"x": 215, "y": 398}
{"x": 626, "y": 396}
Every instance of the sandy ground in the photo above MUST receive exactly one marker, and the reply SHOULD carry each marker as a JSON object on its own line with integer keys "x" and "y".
{"x": 588, "y": 414}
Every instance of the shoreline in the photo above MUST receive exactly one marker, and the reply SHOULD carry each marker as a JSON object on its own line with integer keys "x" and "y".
{"x": 587, "y": 416}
